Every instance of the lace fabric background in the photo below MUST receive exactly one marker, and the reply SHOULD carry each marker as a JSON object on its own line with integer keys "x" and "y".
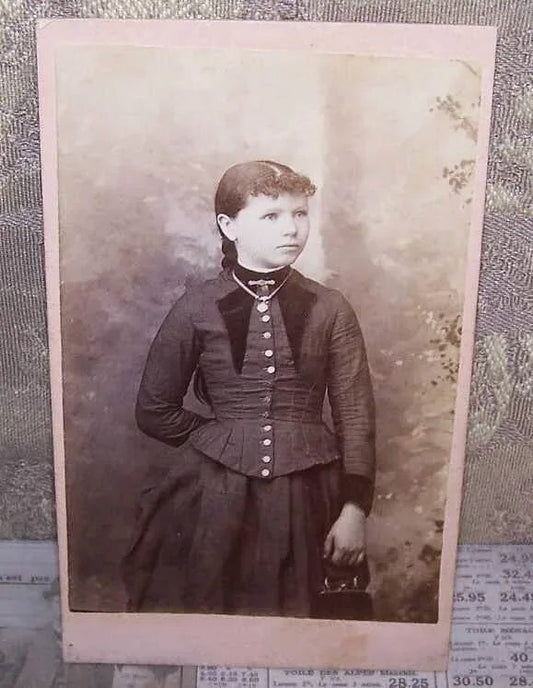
{"x": 497, "y": 503}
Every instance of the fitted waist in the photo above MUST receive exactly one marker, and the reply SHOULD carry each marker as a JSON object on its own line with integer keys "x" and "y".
{"x": 285, "y": 398}
{"x": 291, "y": 415}
{"x": 266, "y": 447}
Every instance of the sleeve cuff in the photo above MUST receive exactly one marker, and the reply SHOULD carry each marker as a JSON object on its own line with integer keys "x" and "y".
{"x": 358, "y": 490}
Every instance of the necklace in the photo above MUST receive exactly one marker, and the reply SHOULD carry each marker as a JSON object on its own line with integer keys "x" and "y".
{"x": 252, "y": 293}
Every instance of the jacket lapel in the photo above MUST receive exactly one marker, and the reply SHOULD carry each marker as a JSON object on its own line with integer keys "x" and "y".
{"x": 235, "y": 309}
{"x": 296, "y": 303}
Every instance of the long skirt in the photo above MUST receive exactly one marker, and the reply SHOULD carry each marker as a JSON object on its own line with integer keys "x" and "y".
{"x": 210, "y": 540}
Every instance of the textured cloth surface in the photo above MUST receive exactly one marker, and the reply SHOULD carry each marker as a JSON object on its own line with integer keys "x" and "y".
{"x": 499, "y": 470}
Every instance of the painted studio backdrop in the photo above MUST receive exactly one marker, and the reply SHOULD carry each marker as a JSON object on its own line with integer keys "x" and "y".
{"x": 144, "y": 135}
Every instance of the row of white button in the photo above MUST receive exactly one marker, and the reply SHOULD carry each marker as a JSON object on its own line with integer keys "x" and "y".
{"x": 266, "y": 459}
{"x": 270, "y": 370}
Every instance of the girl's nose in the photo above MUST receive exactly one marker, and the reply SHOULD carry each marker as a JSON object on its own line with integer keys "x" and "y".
{"x": 291, "y": 226}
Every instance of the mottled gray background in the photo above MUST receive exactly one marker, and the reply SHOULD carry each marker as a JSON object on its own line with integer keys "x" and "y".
{"x": 497, "y": 505}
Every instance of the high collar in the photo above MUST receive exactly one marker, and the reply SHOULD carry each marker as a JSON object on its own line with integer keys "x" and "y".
{"x": 261, "y": 282}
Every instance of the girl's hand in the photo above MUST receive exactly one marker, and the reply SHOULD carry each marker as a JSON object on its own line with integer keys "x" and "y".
{"x": 345, "y": 542}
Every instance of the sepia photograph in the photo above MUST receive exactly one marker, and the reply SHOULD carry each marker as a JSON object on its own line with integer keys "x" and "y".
{"x": 262, "y": 253}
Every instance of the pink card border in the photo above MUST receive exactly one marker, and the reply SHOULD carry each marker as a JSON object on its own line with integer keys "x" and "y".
{"x": 238, "y": 640}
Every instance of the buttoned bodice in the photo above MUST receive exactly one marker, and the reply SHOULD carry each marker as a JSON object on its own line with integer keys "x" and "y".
{"x": 268, "y": 382}
{"x": 268, "y": 418}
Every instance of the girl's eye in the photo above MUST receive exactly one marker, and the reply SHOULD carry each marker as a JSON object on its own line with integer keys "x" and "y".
{"x": 301, "y": 213}
{"x": 271, "y": 216}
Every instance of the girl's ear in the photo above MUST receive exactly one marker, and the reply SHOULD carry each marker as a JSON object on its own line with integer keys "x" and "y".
{"x": 227, "y": 226}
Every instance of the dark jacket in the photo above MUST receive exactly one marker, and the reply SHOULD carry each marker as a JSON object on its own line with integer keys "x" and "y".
{"x": 266, "y": 374}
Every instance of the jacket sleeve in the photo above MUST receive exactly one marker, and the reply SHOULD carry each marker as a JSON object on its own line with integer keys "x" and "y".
{"x": 171, "y": 362}
{"x": 352, "y": 406}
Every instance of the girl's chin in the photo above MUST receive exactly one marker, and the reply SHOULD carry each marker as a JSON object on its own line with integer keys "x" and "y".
{"x": 280, "y": 262}
{"x": 286, "y": 258}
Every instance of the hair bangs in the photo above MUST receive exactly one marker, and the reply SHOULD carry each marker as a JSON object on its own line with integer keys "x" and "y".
{"x": 282, "y": 182}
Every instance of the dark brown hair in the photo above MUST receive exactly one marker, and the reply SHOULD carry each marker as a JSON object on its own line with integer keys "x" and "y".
{"x": 254, "y": 178}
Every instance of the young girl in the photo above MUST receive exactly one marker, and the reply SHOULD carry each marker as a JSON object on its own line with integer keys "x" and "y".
{"x": 263, "y": 499}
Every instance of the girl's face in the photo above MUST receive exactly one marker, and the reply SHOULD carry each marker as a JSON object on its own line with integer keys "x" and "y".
{"x": 268, "y": 232}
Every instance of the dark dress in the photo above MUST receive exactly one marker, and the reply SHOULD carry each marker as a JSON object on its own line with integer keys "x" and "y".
{"x": 239, "y": 522}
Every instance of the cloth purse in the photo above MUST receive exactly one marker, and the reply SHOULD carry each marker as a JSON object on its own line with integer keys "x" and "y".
{"x": 343, "y": 595}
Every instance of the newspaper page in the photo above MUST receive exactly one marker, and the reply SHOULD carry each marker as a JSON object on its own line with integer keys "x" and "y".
{"x": 492, "y": 635}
